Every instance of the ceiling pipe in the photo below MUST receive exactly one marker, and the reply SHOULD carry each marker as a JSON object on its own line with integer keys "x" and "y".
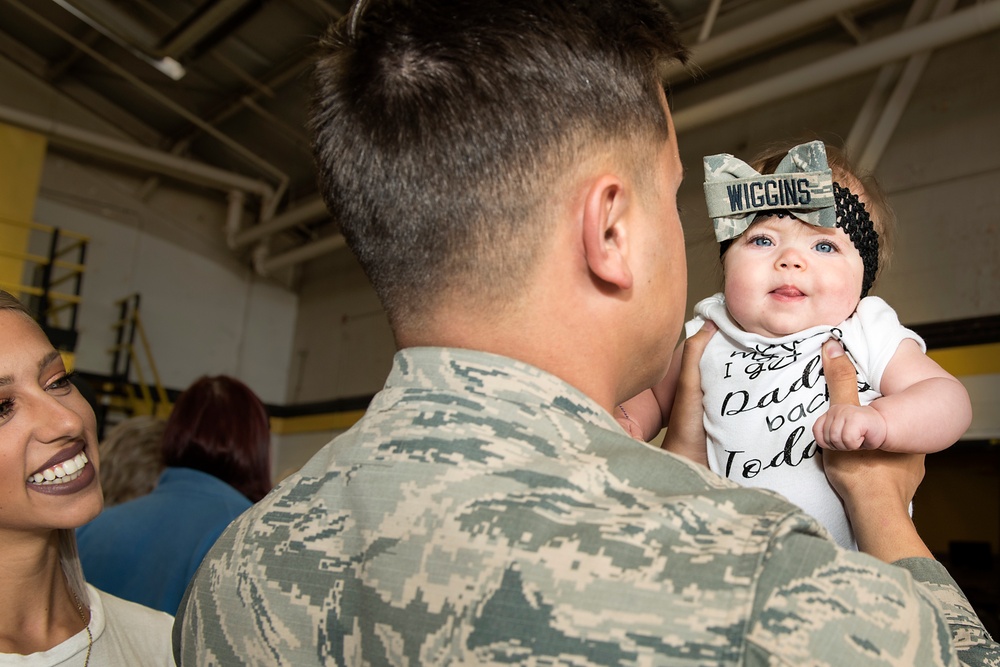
{"x": 774, "y": 26}
{"x": 265, "y": 266}
{"x": 234, "y": 212}
{"x": 123, "y": 30}
{"x": 200, "y": 26}
{"x": 710, "y": 16}
{"x": 887, "y": 77}
{"x": 899, "y": 99}
{"x": 974, "y": 20}
{"x": 313, "y": 209}
{"x": 126, "y": 153}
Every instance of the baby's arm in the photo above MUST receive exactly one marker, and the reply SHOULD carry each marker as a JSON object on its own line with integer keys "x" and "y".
{"x": 683, "y": 400}
{"x": 644, "y": 415}
{"x": 640, "y": 416}
{"x": 923, "y": 409}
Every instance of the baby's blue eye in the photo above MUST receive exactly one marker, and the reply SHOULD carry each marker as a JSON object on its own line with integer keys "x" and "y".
{"x": 761, "y": 241}
{"x": 825, "y": 246}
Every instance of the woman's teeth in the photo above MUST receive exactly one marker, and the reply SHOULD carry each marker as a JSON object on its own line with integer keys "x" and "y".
{"x": 64, "y": 472}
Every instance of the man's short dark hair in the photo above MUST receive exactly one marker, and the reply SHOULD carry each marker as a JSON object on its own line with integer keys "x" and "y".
{"x": 440, "y": 127}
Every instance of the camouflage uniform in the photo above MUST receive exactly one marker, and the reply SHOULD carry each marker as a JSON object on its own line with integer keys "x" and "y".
{"x": 484, "y": 512}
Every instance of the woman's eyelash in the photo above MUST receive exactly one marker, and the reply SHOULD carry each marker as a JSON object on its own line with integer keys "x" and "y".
{"x": 64, "y": 381}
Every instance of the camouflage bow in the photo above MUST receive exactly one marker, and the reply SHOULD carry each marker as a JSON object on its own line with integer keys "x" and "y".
{"x": 802, "y": 185}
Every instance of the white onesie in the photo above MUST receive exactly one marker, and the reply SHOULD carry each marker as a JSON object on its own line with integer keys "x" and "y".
{"x": 763, "y": 395}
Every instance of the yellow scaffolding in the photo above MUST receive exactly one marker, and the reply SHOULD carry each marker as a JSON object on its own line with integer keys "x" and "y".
{"x": 126, "y": 357}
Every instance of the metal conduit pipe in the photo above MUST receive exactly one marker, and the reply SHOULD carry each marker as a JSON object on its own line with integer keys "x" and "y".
{"x": 974, "y": 20}
{"x": 206, "y": 19}
{"x": 796, "y": 16}
{"x": 130, "y": 154}
{"x": 868, "y": 114}
{"x": 268, "y": 265}
{"x": 314, "y": 209}
{"x": 899, "y": 99}
{"x": 706, "y": 27}
{"x": 234, "y": 212}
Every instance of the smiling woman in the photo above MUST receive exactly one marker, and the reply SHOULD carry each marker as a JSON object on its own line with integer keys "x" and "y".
{"x": 48, "y": 487}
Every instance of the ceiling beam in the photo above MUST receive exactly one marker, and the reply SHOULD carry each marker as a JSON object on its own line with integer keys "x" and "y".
{"x": 123, "y": 152}
{"x": 764, "y": 32}
{"x": 37, "y": 67}
{"x": 207, "y": 20}
{"x": 974, "y": 20}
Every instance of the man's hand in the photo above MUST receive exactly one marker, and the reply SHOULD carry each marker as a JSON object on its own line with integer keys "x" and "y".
{"x": 686, "y": 430}
{"x": 876, "y": 486}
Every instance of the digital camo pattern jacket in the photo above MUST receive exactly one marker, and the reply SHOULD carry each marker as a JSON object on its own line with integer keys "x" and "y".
{"x": 484, "y": 512}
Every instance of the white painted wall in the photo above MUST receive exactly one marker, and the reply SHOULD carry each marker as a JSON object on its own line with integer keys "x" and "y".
{"x": 343, "y": 345}
{"x": 201, "y": 316}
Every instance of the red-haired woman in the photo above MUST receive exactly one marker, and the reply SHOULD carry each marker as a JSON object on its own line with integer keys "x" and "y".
{"x": 216, "y": 452}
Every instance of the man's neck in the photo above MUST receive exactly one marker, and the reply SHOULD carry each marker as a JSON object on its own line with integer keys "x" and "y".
{"x": 555, "y": 344}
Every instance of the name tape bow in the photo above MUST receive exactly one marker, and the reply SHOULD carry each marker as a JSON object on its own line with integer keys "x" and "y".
{"x": 802, "y": 185}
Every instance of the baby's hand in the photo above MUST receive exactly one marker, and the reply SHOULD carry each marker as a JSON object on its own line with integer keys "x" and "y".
{"x": 849, "y": 427}
{"x": 630, "y": 426}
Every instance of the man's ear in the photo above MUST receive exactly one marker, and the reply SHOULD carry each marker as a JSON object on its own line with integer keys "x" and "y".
{"x": 606, "y": 240}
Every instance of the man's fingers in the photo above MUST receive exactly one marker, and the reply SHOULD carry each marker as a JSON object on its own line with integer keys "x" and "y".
{"x": 695, "y": 345}
{"x": 690, "y": 375}
{"x": 686, "y": 430}
{"x": 841, "y": 378}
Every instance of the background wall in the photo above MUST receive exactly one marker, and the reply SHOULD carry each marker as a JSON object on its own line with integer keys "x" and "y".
{"x": 204, "y": 309}
{"x": 203, "y": 312}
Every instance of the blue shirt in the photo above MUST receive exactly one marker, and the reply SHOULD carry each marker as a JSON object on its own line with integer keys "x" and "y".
{"x": 147, "y": 549}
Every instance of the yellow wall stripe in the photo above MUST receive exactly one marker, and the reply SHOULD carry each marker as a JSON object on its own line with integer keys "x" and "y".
{"x": 969, "y": 359}
{"x": 332, "y": 421}
{"x": 959, "y": 361}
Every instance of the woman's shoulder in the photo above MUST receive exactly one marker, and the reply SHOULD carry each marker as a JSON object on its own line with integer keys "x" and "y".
{"x": 127, "y": 630}
{"x": 115, "y": 607}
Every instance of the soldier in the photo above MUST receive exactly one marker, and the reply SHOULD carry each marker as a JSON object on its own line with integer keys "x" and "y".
{"x": 506, "y": 173}
{"x": 802, "y": 242}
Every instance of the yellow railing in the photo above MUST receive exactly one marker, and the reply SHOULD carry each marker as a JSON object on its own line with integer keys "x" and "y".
{"x": 126, "y": 358}
{"x": 56, "y": 272}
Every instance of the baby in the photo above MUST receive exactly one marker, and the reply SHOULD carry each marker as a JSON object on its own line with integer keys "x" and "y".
{"x": 802, "y": 242}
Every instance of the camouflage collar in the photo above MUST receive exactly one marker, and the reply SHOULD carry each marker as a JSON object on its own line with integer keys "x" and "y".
{"x": 472, "y": 374}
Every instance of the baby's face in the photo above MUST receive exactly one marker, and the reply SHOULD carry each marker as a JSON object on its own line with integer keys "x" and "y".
{"x": 784, "y": 275}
